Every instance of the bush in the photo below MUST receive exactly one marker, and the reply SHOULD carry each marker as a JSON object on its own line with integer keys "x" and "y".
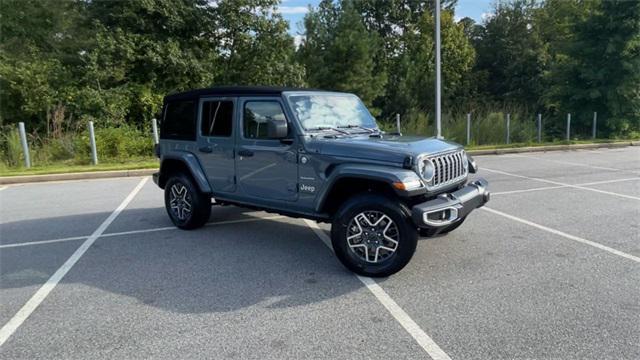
{"x": 114, "y": 144}
{"x": 11, "y": 149}
{"x": 487, "y": 127}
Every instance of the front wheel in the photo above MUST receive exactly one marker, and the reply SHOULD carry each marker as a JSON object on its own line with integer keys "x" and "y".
{"x": 372, "y": 235}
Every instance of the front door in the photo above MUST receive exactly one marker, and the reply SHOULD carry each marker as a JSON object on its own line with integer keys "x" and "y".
{"x": 216, "y": 143}
{"x": 266, "y": 168}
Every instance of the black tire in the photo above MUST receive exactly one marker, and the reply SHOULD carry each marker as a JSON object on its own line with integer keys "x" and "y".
{"x": 353, "y": 255}
{"x": 187, "y": 191}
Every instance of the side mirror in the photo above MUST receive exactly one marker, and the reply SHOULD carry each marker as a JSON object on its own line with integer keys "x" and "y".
{"x": 277, "y": 128}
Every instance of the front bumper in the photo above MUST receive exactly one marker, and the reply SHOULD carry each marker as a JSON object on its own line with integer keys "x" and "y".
{"x": 448, "y": 208}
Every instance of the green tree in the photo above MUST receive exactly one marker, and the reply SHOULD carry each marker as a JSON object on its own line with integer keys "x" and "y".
{"x": 254, "y": 45}
{"x": 512, "y": 54}
{"x": 342, "y": 52}
{"x": 596, "y": 63}
{"x": 37, "y": 43}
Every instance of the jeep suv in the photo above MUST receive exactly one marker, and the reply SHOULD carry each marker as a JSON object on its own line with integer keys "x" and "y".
{"x": 317, "y": 155}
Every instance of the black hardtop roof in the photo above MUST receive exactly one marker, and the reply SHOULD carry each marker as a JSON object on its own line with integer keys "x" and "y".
{"x": 233, "y": 91}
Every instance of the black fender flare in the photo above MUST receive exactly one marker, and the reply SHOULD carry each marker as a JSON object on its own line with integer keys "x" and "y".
{"x": 191, "y": 163}
{"x": 385, "y": 174}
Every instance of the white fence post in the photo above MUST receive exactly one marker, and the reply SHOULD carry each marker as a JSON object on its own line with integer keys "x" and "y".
{"x": 92, "y": 139}
{"x": 595, "y": 122}
{"x": 468, "y": 128}
{"x": 25, "y": 145}
{"x": 568, "y": 126}
{"x": 398, "y": 124}
{"x": 154, "y": 125}
{"x": 508, "y": 128}
{"x": 539, "y": 127}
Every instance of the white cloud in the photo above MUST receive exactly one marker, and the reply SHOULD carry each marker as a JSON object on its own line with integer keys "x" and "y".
{"x": 486, "y": 16}
{"x": 293, "y": 9}
{"x": 298, "y": 40}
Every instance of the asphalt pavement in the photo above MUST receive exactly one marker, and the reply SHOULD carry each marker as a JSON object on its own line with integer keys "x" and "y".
{"x": 550, "y": 269}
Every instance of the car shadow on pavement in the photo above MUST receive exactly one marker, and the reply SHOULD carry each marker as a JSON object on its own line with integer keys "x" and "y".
{"x": 271, "y": 263}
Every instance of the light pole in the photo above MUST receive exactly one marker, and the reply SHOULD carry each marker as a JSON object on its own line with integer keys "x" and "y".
{"x": 438, "y": 80}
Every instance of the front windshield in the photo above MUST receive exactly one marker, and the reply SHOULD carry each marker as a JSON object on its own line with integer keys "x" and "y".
{"x": 320, "y": 111}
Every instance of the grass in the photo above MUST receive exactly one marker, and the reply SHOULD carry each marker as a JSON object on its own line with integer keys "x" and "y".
{"x": 152, "y": 163}
{"x": 147, "y": 163}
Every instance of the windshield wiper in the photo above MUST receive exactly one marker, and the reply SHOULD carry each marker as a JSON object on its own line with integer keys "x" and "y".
{"x": 351, "y": 126}
{"x": 329, "y": 128}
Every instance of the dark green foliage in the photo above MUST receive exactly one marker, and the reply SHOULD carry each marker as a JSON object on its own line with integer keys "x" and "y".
{"x": 65, "y": 62}
{"x": 339, "y": 52}
{"x": 512, "y": 54}
{"x": 598, "y": 66}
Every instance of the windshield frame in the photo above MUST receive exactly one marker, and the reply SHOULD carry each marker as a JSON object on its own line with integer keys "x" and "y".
{"x": 288, "y": 94}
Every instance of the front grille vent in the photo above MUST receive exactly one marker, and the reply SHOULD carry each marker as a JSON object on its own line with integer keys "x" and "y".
{"x": 449, "y": 169}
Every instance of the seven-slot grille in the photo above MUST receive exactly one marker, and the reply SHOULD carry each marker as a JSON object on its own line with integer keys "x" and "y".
{"x": 448, "y": 169}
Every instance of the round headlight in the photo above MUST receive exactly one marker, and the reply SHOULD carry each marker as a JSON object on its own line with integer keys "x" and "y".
{"x": 426, "y": 169}
{"x": 465, "y": 160}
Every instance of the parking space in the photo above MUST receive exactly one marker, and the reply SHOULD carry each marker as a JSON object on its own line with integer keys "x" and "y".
{"x": 550, "y": 270}
{"x": 36, "y": 212}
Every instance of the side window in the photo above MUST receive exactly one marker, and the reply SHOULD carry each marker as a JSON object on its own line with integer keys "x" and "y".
{"x": 179, "y": 121}
{"x": 217, "y": 118}
{"x": 256, "y": 115}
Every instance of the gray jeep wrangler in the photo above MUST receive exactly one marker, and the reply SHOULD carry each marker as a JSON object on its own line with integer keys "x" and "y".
{"x": 317, "y": 155}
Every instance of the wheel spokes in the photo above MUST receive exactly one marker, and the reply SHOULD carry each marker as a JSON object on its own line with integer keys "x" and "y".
{"x": 179, "y": 201}
{"x": 372, "y": 236}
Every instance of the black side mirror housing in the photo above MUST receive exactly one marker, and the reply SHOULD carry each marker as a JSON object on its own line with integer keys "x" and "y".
{"x": 277, "y": 128}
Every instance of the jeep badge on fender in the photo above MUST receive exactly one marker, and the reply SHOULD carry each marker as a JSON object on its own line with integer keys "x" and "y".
{"x": 380, "y": 192}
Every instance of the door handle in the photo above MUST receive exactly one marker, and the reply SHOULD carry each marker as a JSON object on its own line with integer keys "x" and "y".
{"x": 206, "y": 149}
{"x": 245, "y": 153}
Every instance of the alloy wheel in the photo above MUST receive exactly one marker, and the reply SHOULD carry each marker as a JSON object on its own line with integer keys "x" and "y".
{"x": 372, "y": 236}
{"x": 180, "y": 201}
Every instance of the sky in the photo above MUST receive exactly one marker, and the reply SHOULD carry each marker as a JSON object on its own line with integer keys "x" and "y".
{"x": 294, "y": 10}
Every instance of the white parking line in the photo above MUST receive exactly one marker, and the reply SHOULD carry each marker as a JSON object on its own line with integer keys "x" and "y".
{"x": 563, "y": 234}
{"x": 562, "y": 184}
{"x": 424, "y": 340}
{"x": 42, "y": 242}
{"x": 577, "y": 164}
{"x": 75, "y": 238}
{"x": 29, "y": 307}
{"x": 2, "y": 187}
{"x": 526, "y": 190}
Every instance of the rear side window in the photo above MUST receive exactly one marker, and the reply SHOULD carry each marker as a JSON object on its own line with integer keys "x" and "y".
{"x": 217, "y": 118}
{"x": 179, "y": 121}
{"x": 256, "y": 115}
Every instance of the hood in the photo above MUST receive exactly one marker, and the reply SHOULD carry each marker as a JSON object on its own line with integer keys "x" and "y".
{"x": 389, "y": 148}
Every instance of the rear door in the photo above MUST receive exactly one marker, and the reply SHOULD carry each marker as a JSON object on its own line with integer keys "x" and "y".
{"x": 216, "y": 141}
{"x": 266, "y": 168}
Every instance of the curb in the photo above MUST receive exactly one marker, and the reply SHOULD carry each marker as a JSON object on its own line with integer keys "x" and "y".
{"x": 553, "y": 148}
{"x": 6, "y": 180}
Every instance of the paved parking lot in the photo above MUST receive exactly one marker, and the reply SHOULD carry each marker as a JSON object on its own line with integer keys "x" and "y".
{"x": 549, "y": 270}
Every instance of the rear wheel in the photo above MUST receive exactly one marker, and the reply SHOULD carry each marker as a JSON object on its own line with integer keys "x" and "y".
{"x": 187, "y": 207}
{"x": 373, "y": 235}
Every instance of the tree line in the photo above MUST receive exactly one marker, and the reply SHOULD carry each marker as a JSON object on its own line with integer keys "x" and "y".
{"x": 63, "y": 63}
